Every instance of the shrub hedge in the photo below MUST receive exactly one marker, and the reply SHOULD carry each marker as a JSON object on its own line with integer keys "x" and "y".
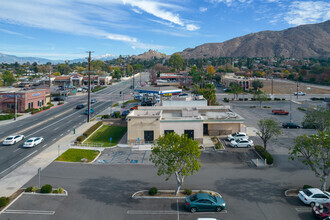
{"x": 29, "y": 189}
{"x": 225, "y": 99}
{"x": 261, "y": 150}
{"x": 4, "y": 201}
{"x": 92, "y": 129}
{"x": 6, "y": 117}
{"x": 153, "y": 191}
{"x": 46, "y": 189}
{"x": 307, "y": 186}
{"x": 187, "y": 191}
{"x": 80, "y": 138}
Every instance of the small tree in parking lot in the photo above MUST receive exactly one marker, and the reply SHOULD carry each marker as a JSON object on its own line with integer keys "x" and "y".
{"x": 175, "y": 154}
{"x": 268, "y": 128}
{"x": 314, "y": 151}
{"x": 260, "y": 97}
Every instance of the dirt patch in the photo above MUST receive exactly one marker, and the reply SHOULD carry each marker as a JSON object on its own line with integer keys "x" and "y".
{"x": 292, "y": 192}
{"x": 283, "y": 87}
{"x": 12, "y": 197}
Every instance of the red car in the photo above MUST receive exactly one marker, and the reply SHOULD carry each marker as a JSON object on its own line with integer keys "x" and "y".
{"x": 280, "y": 112}
{"x": 321, "y": 211}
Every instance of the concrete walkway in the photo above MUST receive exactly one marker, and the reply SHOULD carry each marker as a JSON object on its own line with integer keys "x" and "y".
{"x": 21, "y": 175}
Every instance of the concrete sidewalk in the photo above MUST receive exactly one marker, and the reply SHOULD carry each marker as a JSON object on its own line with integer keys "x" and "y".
{"x": 21, "y": 175}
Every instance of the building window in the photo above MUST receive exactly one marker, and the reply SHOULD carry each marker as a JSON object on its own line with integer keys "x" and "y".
{"x": 189, "y": 133}
{"x": 10, "y": 105}
{"x": 148, "y": 136}
{"x": 168, "y": 132}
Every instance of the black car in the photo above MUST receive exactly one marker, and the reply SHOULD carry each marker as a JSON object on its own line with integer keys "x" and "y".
{"x": 80, "y": 106}
{"x": 290, "y": 125}
{"x": 125, "y": 113}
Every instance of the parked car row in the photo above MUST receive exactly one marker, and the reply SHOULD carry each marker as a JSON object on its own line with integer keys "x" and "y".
{"x": 31, "y": 142}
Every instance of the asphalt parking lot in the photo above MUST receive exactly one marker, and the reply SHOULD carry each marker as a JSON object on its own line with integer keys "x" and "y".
{"x": 103, "y": 191}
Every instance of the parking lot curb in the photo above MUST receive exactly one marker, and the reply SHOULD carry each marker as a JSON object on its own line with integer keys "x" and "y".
{"x": 169, "y": 197}
{"x": 288, "y": 190}
{"x": 11, "y": 203}
{"x": 47, "y": 194}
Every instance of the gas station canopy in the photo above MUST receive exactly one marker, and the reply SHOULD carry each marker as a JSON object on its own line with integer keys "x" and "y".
{"x": 158, "y": 90}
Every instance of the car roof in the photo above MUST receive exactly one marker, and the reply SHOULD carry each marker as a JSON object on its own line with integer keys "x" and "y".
{"x": 203, "y": 195}
{"x": 12, "y": 136}
{"x": 315, "y": 190}
{"x": 240, "y": 133}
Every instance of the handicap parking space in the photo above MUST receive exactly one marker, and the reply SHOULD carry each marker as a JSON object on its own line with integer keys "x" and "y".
{"x": 124, "y": 156}
{"x": 33, "y": 207}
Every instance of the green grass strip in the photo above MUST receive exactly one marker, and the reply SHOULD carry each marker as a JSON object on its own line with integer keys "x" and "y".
{"x": 75, "y": 155}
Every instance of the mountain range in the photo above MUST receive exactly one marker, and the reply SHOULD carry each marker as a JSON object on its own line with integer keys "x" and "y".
{"x": 304, "y": 41}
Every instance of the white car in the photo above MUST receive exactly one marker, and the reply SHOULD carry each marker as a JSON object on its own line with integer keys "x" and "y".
{"x": 299, "y": 93}
{"x": 79, "y": 89}
{"x": 13, "y": 139}
{"x": 237, "y": 136}
{"x": 242, "y": 143}
{"x": 312, "y": 196}
{"x": 33, "y": 141}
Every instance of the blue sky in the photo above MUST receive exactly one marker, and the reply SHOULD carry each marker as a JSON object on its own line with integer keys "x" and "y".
{"x": 66, "y": 29}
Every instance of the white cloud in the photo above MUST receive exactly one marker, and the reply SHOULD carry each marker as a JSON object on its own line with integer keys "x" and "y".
{"x": 202, "y": 9}
{"x": 137, "y": 11}
{"x": 157, "y": 9}
{"x": 92, "y": 18}
{"x": 308, "y": 12}
{"x": 192, "y": 27}
{"x": 15, "y": 33}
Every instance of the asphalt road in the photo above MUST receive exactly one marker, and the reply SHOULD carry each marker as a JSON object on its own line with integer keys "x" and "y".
{"x": 52, "y": 129}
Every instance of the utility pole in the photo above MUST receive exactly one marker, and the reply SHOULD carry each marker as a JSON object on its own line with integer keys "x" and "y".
{"x": 89, "y": 85}
{"x": 272, "y": 87}
{"x": 133, "y": 81}
{"x": 290, "y": 105}
{"x": 15, "y": 106}
{"x": 297, "y": 88}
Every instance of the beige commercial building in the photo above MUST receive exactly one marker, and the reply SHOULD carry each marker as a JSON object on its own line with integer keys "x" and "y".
{"x": 148, "y": 123}
{"x": 244, "y": 82}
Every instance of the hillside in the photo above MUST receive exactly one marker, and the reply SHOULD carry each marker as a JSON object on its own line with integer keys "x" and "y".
{"x": 312, "y": 40}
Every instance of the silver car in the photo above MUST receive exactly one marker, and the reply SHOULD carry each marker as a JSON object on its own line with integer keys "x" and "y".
{"x": 312, "y": 196}
{"x": 237, "y": 136}
{"x": 242, "y": 142}
{"x": 31, "y": 142}
{"x": 13, "y": 139}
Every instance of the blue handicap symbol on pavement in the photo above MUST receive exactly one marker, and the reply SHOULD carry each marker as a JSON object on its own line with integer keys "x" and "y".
{"x": 134, "y": 161}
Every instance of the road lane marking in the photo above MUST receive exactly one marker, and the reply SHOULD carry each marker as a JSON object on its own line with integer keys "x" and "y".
{"x": 29, "y": 212}
{"x": 54, "y": 139}
{"x": 56, "y": 128}
{"x": 17, "y": 149}
{"x": 61, "y": 135}
{"x": 44, "y": 146}
{"x": 19, "y": 161}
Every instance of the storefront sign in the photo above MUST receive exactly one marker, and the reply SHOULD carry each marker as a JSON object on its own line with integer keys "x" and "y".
{"x": 12, "y": 96}
{"x": 36, "y": 94}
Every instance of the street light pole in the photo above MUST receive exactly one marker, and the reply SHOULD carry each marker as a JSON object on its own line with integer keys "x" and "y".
{"x": 297, "y": 88}
{"x": 89, "y": 86}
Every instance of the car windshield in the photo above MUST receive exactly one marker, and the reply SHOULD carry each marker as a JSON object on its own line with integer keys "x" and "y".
{"x": 307, "y": 192}
{"x": 9, "y": 138}
{"x": 29, "y": 141}
{"x": 326, "y": 194}
{"x": 193, "y": 198}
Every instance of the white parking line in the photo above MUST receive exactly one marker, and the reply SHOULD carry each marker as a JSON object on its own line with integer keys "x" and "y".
{"x": 54, "y": 139}
{"x": 305, "y": 209}
{"x": 19, "y": 161}
{"x": 163, "y": 212}
{"x": 30, "y": 212}
{"x": 44, "y": 146}
{"x": 56, "y": 128}
{"x": 17, "y": 149}
{"x": 61, "y": 135}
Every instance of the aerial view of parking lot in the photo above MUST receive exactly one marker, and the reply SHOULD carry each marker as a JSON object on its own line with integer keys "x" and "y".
{"x": 150, "y": 109}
